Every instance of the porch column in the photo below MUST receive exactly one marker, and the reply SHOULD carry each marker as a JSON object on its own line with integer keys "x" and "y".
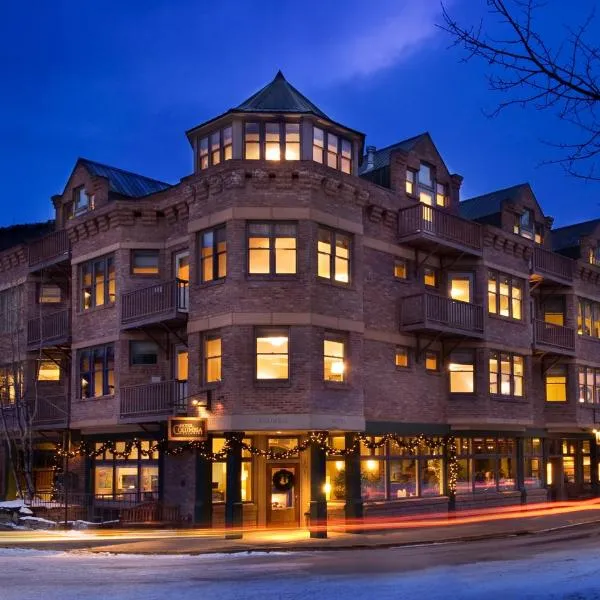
{"x": 520, "y": 451}
{"x": 203, "y": 501}
{"x": 354, "y": 510}
{"x": 594, "y": 466}
{"x": 233, "y": 493}
{"x": 318, "y": 501}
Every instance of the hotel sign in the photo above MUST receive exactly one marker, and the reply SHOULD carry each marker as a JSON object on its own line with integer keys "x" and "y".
{"x": 187, "y": 429}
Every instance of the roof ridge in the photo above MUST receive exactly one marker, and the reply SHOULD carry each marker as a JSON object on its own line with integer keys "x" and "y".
{"x": 408, "y": 139}
{"x": 95, "y": 162}
{"x": 579, "y": 224}
{"x": 510, "y": 187}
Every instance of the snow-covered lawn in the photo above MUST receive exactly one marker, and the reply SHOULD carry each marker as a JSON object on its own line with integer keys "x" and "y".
{"x": 32, "y": 575}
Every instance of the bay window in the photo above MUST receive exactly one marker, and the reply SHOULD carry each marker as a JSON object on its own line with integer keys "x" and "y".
{"x": 251, "y": 141}
{"x": 588, "y": 318}
{"x": 97, "y": 282}
{"x": 272, "y": 248}
{"x": 96, "y": 371}
{"x": 272, "y": 354}
{"x": 506, "y": 374}
{"x": 215, "y": 147}
{"x": 213, "y": 356}
{"x": 589, "y": 385}
{"x": 332, "y": 150}
{"x": 505, "y": 295}
{"x": 213, "y": 254}
{"x": 333, "y": 250}
{"x": 334, "y": 366}
{"x": 273, "y": 140}
{"x": 462, "y": 372}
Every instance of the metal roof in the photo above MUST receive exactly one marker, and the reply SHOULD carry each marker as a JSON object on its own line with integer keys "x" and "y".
{"x": 381, "y": 158}
{"x": 23, "y": 233}
{"x": 489, "y": 204}
{"x": 570, "y": 236}
{"x": 123, "y": 182}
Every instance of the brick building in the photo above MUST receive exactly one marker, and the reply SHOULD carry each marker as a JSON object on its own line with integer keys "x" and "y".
{"x": 297, "y": 282}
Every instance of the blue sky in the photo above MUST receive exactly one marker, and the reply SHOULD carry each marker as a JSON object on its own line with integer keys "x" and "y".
{"x": 120, "y": 82}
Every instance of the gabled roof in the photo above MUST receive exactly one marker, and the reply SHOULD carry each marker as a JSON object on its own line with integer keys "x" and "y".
{"x": 570, "y": 236}
{"x": 381, "y": 158}
{"x": 23, "y": 233}
{"x": 280, "y": 96}
{"x": 124, "y": 183}
{"x": 490, "y": 204}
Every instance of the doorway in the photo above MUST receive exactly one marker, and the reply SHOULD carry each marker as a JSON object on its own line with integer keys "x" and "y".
{"x": 283, "y": 495}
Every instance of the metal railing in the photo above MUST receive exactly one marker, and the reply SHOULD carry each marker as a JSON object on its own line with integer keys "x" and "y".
{"x": 552, "y": 264}
{"x": 557, "y": 336}
{"x": 165, "y": 297}
{"x": 50, "y": 247}
{"x": 49, "y": 328}
{"x": 160, "y": 398}
{"x": 430, "y": 311}
{"x": 440, "y": 224}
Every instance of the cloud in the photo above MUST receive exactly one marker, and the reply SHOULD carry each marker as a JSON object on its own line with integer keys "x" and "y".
{"x": 379, "y": 45}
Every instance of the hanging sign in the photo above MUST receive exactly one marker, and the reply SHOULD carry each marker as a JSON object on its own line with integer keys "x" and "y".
{"x": 187, "y": 429}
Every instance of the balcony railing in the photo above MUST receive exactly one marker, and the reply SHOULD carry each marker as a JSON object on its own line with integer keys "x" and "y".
{"x": 50, "y": 248}
{"x": 552, "y": 265}
{"x": 430, "y": 311}
{"x": 426, "y": 221}
{"x": 555, "y": 336}
{"x": 161, "y": 398}
{"x": 157, "y": 302}
{"x": 47, "y": 412}
{"x": 48, "y": 329}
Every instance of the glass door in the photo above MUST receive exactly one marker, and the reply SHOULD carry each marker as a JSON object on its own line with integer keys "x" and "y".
{"x": 182, "y": 273}
{"x": 180, "y": 374}
{"x": 283, "y": 490}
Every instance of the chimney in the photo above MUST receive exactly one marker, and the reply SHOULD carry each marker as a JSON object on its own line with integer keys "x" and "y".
{"x": 370, "y": 157}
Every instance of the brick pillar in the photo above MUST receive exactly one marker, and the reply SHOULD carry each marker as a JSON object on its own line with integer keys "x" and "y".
{"x": 354, "y": 509}
{"x": 233, "y": 493}
{"x": 318, "y": 501}
{"x": 203, "y": 491}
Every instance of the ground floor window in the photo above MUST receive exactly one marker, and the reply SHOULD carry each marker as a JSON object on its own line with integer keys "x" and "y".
{"x": 533, "y": 462}
{"x": 219, "y": 473}
{"x": 134, "y": 478}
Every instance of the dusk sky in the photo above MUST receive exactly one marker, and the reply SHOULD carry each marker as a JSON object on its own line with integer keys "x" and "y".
{"x": 120, "y": 82}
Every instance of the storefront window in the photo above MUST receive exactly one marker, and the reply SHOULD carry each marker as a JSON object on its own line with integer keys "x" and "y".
{"x": 533, "y": 462}
{"x": 219, "y": 473}
{"x": 335, "y": 482}
{"x": 372, "y": 476}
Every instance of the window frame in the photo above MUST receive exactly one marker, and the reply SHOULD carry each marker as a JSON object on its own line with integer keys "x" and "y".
{"x": 591, "y": 398}
{"x": 552, "y": 372}
{"x": 432, "y": 355}
{"x": 214, "y": 255}
{"x": 41, "y": 286}
{"x": 336, "y": 338}
{"x": 108, "y": 352}
{"x": 222, "y": 148}
{"x": 512, "y": 377}
{"x": 150, "y": 252}
{"x": 272, "y": 237}
{"x": 133, "y": 354}
{"x": 206, "y": 338}
{"x": 333, "y": 235}
{"x": 339, "y": 154}
{"x": 108, "y": 261}
{"x": 397, "y": 351}
{"x": 513, "y": 283}
{"x": 266, "y": 332}
{"x": 262, "y": 139}
{"x": 473, "y": 355}
{"x": 403, "y": 263}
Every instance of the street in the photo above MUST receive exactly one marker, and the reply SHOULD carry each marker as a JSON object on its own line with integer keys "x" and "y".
{"x": 563, "y": 564}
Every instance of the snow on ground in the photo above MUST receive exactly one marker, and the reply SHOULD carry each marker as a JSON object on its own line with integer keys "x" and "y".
{"x": 32, "y": 575}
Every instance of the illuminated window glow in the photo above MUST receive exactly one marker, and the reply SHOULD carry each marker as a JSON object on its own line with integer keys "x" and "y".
{"x": 272, "y": 354}
{"x": 334, "y": 360}
{"x": 333, "y": 254}
{"x": 462, "y": 372}
{"x": 506, "y": 374}
{"x": 272, "y": 248}
{"x": 212, "y": 359}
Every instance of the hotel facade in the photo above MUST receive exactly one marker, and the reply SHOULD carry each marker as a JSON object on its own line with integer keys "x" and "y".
{"x": 300, "y": 295}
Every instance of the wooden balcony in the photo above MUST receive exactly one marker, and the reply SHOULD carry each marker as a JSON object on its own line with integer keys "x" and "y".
{"x": 553, "y": 339}
{"x": 159, "y": 303}
{"x": 427, "y": 227}
{"x": 432, "y": 313}
{"x": 552, "y": 267}
{"x": 50, "y": 413}
{"x": 49, "y": 250}
{"x": 53, "y": 329}
{"x": 163, "y": 398}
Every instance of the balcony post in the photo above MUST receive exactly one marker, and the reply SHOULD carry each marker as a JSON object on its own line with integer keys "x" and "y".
{"x": 354, "y": 510}
{"x": 233, "y": 493}
{"x": 203, "y": 500}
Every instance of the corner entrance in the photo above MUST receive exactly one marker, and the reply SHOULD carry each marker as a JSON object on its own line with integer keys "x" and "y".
{"x": 283, "y": 495}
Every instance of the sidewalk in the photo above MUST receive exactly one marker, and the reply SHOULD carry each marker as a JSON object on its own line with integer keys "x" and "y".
{"x": 462, "y": 528}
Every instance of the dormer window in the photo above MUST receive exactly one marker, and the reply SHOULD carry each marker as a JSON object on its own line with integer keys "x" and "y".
{"x": 272, "y": 141}
{"x": 431, "y": 192}
{"x": 82, "y": 202}
{"x": 594, "y": 256}
{"x": 526, "y": 227}
{"x": 339, "y": 150}
{"x": 215, "y": 148}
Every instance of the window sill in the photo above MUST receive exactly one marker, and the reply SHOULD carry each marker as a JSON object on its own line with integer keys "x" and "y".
{"x": 96, "y": 398}
{"x": 88, "y": 311}
{"x": 272, "y": 277}
{"x": 211, "y": 283}
{"x": 336, "y": 385}
{"x": 333, "y": 283}
{"x": 463, "y": 395}
{"x": 588, "y": 338}
{"x": 505, "y": 319}
{"x": 510, "y": 399}
{"x": 272, "y": 383}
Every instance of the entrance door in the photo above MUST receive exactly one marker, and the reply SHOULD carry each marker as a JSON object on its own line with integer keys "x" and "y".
{"x": 182, "y": 273}
{"x": 180, "y": 374}
{"x": 283, "y": 495}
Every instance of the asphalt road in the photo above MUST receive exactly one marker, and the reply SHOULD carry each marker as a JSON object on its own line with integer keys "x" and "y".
{"x": 563, "y": 564}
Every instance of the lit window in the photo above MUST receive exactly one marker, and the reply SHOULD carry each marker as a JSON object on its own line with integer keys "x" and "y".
{"x": 333, "y": 250}
{"x": 97, "y": 282}
{"x": 462, "y": 372}
{"x": 332, "y": 150}
{"x": 213, "y": 259}
{"x": 430, "y": 277}
{"x": 272, "y": 141}
{"x": 82, "y": 201}
{"x": 96, "y": 372}
{"x": 48, "y": 370}
{"x": 144, "y": 262}
{"x": 539, "y": 233}
{"x": 318, "y": 144}
{"x": 554, "y": 310}
{"x": 460, "y": 287}
{"x": 431, "y": 361}
{"x": 440, "y": 194}
{"x": 252, "y": 141}
{"x": 505, "y": 295}
{"x": 204, "y": 153}
{"x": 212, "y": 359}
{"x": 11, "y": 384}
{"x": 594, "y": 256}
{"x": 506, "y": 374}
{"x": 333, "y": 359}
{"x": 49, "y": 293}
{"x": 346, "y": 156}
{"x": 426, "y": 185}
{"x": 401, "y": 359}
{"x": 219, "y": 473}
{"x": 227, "y": 143}
{"x": 143, "y": 352}
{"x": 272, "y": 354}
{"x": 400, "y": 269}
{"x": 410, "y": 181}
{"x": 556, "y": 384}
{"x": 525, "y": 224}
{"x": 292, "y": 141}
{"x": 272, "y": 248}
{"x": 216, "y": 147}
